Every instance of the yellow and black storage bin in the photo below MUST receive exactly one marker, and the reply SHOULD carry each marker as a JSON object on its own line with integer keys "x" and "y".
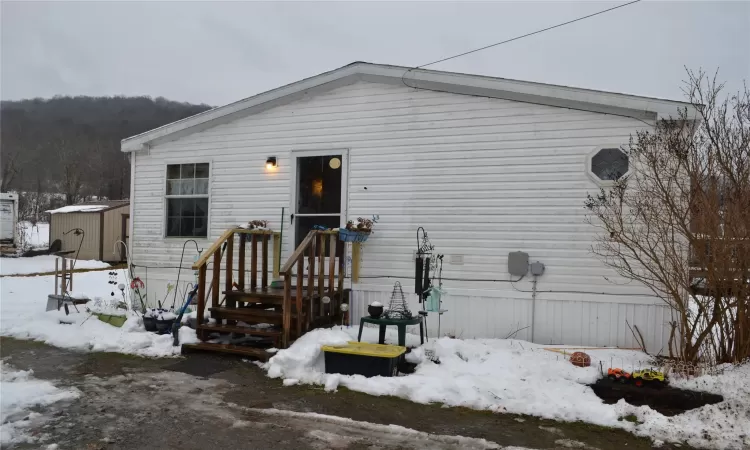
{"x": 362, "y": 358}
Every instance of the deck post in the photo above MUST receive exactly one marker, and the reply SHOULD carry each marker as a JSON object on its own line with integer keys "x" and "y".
{"x": 264, "y": 275}
{"x": 310, "y": 280}
{"x": 229, "y": 274}
{"x": 356, "y": 255}
{"x": 276, "y": 255}
{"x": 216, "y": 280}
{"x": 320, "y": 245}
{"x": 331, "y": 263}
{"x": 241, "y": 262}
{"x": 300, "y": 292}
{"x": 286, "y": 310}
{"x": 201, "y": 310}
{"x": 253, "y": 261}
{"x": 342, "y": 272}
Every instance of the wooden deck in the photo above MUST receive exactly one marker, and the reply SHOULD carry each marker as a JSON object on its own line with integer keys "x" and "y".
{"x": 291, "y": 311}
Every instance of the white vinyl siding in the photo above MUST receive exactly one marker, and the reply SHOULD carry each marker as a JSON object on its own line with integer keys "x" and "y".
{"x": 483, "y": 176}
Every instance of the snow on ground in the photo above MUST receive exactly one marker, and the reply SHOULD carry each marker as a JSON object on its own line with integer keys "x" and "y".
{"x": 19, "y": 391}
{"x": 23, "y": 302}
{"x": 35, "y": 236}
{"x": 723, "y": 425}
{"x": 41, "y": 264}
{"x": 523, "y": 378}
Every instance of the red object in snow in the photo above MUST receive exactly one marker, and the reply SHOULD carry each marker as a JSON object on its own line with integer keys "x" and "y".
{"x": 580, "y": 359}
{"x": 137, "y": 284}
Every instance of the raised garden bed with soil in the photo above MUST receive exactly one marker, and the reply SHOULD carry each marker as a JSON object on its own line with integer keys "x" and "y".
{"x": 667, "y": 400}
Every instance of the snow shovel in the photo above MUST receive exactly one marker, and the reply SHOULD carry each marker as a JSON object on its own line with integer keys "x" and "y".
{"x": 178, "y": 320}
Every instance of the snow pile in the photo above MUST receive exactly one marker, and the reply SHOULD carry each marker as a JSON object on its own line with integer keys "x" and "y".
{"x": 18, "y": 392}
{"x": 162, "y": 314}
{"x": 523, "y": 378}
{"x": 23, "y": 302}
{"x": 41, "y": 264}
{"x": 722, "y": 425}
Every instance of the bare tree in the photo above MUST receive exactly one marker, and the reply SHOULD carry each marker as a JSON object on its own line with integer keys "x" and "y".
{"x": 680, "y": 223}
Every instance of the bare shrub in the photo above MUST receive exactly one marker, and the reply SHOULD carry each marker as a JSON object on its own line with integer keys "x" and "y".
{"x": 680, "y": 223}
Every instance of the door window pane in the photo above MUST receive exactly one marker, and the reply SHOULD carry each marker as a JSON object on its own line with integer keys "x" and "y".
{"x": 319, "y": 185}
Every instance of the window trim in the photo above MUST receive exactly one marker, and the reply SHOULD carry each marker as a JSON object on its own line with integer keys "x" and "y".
{"x": 166, "y": 196}
{"x": 592, "y": 175}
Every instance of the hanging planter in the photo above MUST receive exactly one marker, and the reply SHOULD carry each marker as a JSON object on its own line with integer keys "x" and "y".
{"x": 353, "y": 236}
{"x": 356, "y": 232}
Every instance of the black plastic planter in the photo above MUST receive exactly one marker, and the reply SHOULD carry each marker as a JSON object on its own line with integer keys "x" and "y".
{"x": 164, "y": 326}
{"x": 375, "y": 311}
{"x": 149, "y": 323}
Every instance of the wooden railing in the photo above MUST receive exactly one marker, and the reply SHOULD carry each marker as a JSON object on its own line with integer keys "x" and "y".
{"x": 306, "y": 283}
{"x": 312, "y": 247}
{"x": 223, "y": 250}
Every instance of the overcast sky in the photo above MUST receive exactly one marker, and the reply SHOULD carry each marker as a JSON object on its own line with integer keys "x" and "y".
{"x": 219, "y": 52}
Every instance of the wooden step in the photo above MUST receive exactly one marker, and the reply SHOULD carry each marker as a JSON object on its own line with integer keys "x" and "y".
{"x": 249, "y": 315}
{"x": 272, "y": 333}
{"x": 258, "y": 295}
{"x": 251, "y": 352}
{"x": 269, "y": 295}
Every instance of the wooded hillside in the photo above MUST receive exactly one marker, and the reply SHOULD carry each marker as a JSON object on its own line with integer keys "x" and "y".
{"x": 71, "y": 145}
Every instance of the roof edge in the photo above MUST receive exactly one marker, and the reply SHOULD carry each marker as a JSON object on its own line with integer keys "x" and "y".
{"x": 627, "y": 105}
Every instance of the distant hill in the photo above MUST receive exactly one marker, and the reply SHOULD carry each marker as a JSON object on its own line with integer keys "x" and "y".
{"x": 71, "y": 145}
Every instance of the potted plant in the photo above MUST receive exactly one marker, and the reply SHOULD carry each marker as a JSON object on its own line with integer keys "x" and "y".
{"x": 255, "y": 225}
{"x": 113, "y": 312}
{"x": 149, "y": 319}
{"x": 164, "y": 321}
{"x": 358, "y": 231}
{"x": 375, "y": 309}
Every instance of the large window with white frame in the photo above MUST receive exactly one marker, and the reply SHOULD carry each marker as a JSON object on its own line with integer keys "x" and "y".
{"x": 187, "y": 200}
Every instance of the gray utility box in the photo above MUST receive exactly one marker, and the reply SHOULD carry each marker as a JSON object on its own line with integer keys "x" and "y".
{"x": 518, "y": 263}
{"x": 537, "y": 268}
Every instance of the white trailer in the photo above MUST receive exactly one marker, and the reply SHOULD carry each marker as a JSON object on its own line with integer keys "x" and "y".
{"x": 8, "y": 221}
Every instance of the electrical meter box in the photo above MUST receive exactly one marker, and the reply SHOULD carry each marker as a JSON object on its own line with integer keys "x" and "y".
{"x": 518, "y": 263}
{"x": 537, "y": 268}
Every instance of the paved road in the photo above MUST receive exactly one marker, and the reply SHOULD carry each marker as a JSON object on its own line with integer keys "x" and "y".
{"x": 208, "y": 401}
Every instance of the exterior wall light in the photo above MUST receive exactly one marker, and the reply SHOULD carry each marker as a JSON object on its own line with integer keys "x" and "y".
{"x": 271, "y": 163}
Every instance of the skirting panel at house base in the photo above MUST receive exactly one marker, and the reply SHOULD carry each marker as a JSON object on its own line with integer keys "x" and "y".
{"x": 584, "y": 323}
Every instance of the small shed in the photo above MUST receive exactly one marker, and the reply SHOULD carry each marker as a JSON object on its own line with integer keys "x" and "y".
{"x": 102, "y": 223}
{"x": 8, "y": 218}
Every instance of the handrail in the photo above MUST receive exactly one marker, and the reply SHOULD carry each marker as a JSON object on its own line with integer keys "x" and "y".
{"x": 203, "y": 260}
{"x": 299, "y": 251}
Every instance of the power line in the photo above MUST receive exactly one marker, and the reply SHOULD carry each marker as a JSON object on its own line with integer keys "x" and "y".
{"x": 527, "y": 34}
